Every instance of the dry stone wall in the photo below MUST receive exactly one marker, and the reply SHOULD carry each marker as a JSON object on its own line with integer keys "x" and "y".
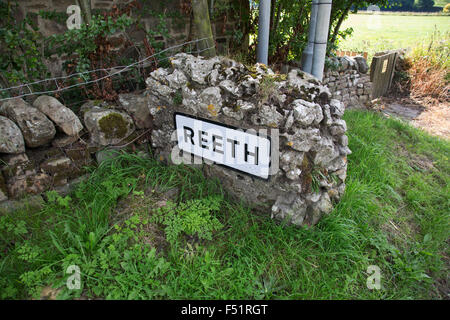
{"x": 349, "y": 82}
{"x": 347, "y": 78}
{"x": 45, "y": 145}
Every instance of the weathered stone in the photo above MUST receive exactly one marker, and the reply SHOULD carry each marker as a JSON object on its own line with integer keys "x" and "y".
{"x": 137, "y": 107}
{"x": 338, "y": 128}
{"x": 269, "y": 116}
{"x": 290, "y": 160}
{"x": 11, "y": 139}
{"x": 19, "y": 168}
{"x": 62, "y": 116}
{"x": 306, "y": 112}
{"x": 230, "y": 87}
{"x": 14, "y": 159}
{"x": 53, "y": 166}
{"x": 60, "y": 170}
{"x": 303, "y": 139}
{"x": 160, "y": 89}
{"x": 210, "y": 101}
{"x": 326, "y": 152}
{"x": 319, "y": 208}
{"x": 30, "y": 184}
{"x": 288, "y": 207}
{"x": 363, "y": 67}
{"x": 337, "y": 108}
{"x": 176, "y": 79}
{"x": 245, "y": 105}
{"x": 64, "y": 141}
{"x": 196, "y": 68}
{"x": 108, "y": 126}
{"x": 36, "y": 128}
{"x": 236, "y": 114}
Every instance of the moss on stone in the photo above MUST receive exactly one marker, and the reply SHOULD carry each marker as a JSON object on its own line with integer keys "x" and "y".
{"x": 113, "y": 126}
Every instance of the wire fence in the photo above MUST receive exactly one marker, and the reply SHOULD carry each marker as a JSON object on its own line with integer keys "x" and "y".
{"x": 75, "y": 86}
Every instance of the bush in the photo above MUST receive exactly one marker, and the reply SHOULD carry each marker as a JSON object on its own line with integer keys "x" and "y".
{"x": 447, "y": 8}
{"x": 430, "y": 67}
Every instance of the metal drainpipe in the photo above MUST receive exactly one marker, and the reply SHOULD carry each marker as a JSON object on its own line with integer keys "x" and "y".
{"x": 307, "y": 57}
{"x": 321, "y": 39}
{"x": 262, "y": 54}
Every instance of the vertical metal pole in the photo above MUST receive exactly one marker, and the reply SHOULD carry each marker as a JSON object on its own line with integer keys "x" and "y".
{"x": 262, "y": 54}
{"x": 320, "y": 43}
{"x": 307, "y": 57}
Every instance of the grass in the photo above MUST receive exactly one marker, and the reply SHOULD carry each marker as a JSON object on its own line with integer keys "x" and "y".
{"x": 441, "y": 3}
{"x": 387, "y": 32}
{"x": 394, "y": 214}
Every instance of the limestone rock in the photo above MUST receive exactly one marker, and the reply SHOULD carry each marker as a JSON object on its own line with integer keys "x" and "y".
{"x": 36, "y": 128}
{"x": 363, "y": 67}
{"x": 159, "y": 88}
{"x": 319, "y": 208}
{"x": 210, "y": 101}
{"x": 60, "y": 169}
{"x": 176, "y": 79}
{"x": 108, "y": 126}
{"x": 235, "y": 114}
{"x": 289, "y": 207}
{"x": 337, "y": 108}
{"x": 11, "y": 139}
{"x": 62, "y": 116}
{"x": 338, "y": 128}
{"x": 196, "y": 68}
{"x": 326, "y": 152}
{"x": 32, "y": 184}
{"x": 303, "y": 139}
{"x": 306, "y": 112}
{"x": 137, "y": 107}
{"x": 267, "y": 115}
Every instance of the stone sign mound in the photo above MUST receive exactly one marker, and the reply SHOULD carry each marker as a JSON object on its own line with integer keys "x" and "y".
{"x": 225, "y": 116}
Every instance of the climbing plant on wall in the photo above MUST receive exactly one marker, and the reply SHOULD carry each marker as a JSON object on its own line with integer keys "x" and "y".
{"x": 20, "y": 49}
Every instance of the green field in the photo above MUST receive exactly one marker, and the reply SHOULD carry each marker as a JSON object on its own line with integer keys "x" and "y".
{"x": 441, "y": 3}
{"x": 386, "y": 32}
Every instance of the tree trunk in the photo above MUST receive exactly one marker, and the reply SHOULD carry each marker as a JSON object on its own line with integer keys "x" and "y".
{"x": 203, "y": 27}
{"x": 86, "y": 11}
{"x": 244, "y": 15}
{"x": 339, "y": 24}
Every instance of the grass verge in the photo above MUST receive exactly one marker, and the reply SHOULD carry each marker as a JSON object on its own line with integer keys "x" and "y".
{"x": 394, "y": 215}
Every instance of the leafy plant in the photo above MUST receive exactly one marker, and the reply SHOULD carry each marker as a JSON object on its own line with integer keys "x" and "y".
{"x": 20, "y": 53}
{"x": 192, "y": 218}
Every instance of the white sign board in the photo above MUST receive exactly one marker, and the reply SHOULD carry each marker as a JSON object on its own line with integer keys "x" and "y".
{"x": 225, "y": 145}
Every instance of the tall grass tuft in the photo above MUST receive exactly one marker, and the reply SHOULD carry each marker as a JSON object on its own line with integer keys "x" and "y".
{"x": 430, "y": 68}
